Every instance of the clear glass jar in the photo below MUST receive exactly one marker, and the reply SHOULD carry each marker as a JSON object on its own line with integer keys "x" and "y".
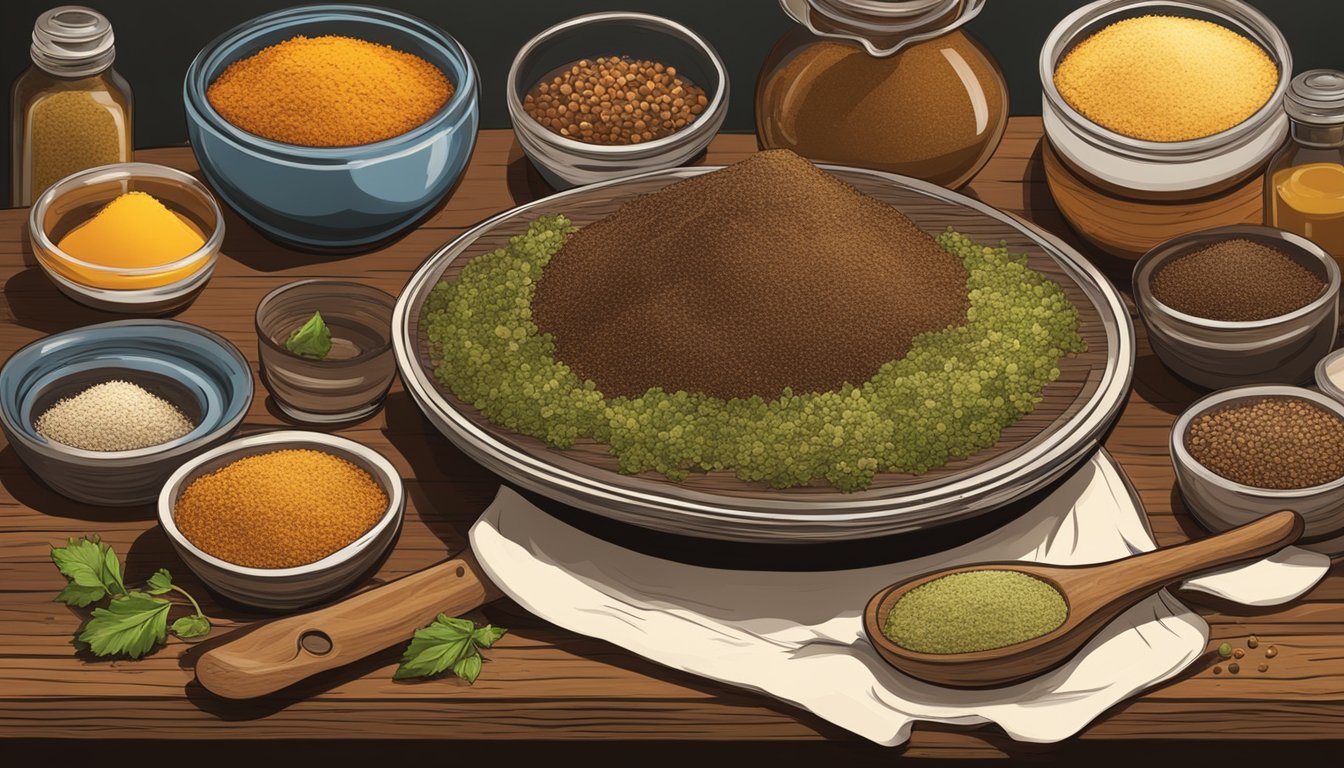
{"x": 70, "y": 110}
{"x": 1304, "y": 183}
{"x": 893, "y": 86}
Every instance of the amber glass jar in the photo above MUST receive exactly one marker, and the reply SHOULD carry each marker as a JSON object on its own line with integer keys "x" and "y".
{"x": 893, "y": 86}
{"x": 1304, "y": 184}
{"x": 70, "y": 110}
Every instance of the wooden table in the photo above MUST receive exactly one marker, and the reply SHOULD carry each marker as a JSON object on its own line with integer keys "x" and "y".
{"x": 542, "y": 683}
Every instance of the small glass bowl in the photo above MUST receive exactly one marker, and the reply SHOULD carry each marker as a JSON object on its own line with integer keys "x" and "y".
{"x": 1216, "y": 353}
{"x": 352, "y": 382}
{"x": 564, "y": 162}
{"x": 78, "y": 197}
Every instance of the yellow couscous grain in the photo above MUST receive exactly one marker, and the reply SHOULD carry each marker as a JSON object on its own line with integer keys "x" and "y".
{"x": 1166, "y": 78}
{"x": 280, "y": 509}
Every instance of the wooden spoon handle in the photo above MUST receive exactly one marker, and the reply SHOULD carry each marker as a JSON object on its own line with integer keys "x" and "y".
{"x": 1265, "y": 536}
{"x": 285, "y": 651}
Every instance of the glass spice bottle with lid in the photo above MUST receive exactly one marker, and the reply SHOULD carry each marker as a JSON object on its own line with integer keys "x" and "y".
{"x": 70, "y": 110}
{"x": 892, "y": 85}
{"x": 1304, "y": 184}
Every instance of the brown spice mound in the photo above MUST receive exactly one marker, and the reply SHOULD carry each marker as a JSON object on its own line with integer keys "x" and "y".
{"x": 767, "y": 274}
{"x": 1236, "y": 280}
{"x": 1277, "y": 442}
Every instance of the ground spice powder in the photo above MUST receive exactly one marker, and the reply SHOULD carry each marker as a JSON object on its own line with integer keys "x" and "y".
{"x": 1236, "y": 280}
{"x": 329, "y": 91}
{"x": 280, "y": 509}
{"x": 1166, "y": 78}
{"x": 975, "y": 611}
{"x": 769, "y": 274}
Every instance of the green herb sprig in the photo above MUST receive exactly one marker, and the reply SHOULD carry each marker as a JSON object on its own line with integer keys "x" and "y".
{"x": 447, "y": 644}
{"x": 312, "y": 339}
{"x": 133, "y": 622}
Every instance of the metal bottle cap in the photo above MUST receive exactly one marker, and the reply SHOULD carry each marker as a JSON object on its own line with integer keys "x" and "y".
{"x": 1316, "y": 97}
{"x": 72, "y": 41}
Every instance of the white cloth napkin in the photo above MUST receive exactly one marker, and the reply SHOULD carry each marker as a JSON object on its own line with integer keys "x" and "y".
{"x": 799, "y": 636}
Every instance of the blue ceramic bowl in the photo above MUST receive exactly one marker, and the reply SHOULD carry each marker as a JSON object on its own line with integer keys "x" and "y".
{"x": 205, "y": 376}
{"x": 334, "y": 198}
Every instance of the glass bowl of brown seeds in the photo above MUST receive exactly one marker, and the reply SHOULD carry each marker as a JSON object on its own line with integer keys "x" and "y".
{"x": 612, "y": 94}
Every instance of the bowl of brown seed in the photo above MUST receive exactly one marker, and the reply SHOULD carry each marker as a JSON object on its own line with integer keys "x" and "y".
{"x": 613, "y": 94}
{"x": 1246, "y": 452}
{"x": 1239, "y": 305}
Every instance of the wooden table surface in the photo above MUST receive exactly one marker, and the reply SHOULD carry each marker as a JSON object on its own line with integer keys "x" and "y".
{"x": 542, "y": 683}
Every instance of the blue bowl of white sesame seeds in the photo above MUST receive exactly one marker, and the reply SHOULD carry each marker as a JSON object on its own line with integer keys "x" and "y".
{"x": 185, "y": 369}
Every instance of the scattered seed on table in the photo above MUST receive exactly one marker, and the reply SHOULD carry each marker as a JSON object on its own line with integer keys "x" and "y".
{"x": 1252, "y": 641}
{"x": 1217, "y": 670}
{"x": 1234, "y": 667}
{"x": 1263, "y": 667}
{"x": 1238, "y": 653}
{"x": 1225, "y": 650}
{"x": 1271, "y": 652}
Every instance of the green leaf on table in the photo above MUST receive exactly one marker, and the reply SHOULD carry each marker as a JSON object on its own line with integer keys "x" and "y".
{"x": 160, "y": 582}
{"x": 91, "y": 569}
{"x": 312, "y": 339}
{"x": 191, "y": 627}
{"x": 469, "y": 668}
{"x": 447, "y": 644}
{"x": 129, "y": 626}
{"x": 487, "y": 635}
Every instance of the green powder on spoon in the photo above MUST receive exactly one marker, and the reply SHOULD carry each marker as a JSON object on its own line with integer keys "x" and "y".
{"x": 975, "y": 611}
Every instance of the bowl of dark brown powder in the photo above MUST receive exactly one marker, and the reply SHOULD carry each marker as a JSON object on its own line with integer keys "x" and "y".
{"x": 767, "y": 351}
{"x": 1239, "y": 305}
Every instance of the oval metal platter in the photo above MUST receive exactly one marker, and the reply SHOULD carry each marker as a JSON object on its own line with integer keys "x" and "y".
{"x": 1067, "y": 426}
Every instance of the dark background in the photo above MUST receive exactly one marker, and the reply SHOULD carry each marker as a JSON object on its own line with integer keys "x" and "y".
{"x": 156, "y": 39}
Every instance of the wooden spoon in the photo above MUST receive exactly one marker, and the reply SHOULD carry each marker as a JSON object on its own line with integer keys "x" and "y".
{"x": 1095, "y": 594}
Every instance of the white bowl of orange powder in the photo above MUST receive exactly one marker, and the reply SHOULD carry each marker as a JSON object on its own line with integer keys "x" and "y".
{"x": 135, "y": 238}
{"x": 282, "y": 520}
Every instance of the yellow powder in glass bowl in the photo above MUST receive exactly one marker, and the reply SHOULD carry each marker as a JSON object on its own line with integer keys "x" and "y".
{"x": 1166, "y": 78}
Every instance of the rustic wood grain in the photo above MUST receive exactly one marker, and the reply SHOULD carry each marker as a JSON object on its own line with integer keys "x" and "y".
{"x": 541, "y": 682}
{"x": 1129, "y": 228}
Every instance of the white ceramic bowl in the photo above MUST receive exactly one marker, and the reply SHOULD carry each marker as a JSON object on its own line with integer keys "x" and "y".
{"x": 1214, "y": 353}
{"x": 286, "y": 589}
{"x": 1220, "y": 504}
{"x": 566, "y": 162}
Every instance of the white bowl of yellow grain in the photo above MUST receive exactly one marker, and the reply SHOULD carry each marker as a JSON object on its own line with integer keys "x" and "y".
{"x": 282, "y": 520}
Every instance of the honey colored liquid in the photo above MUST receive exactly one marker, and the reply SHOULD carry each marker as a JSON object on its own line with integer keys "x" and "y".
{"x": 1309, "y": 200}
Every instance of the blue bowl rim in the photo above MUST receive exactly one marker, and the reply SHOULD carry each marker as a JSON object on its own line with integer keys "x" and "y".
{"x": 21, "y": 434}
{"x": 462, "y": 100}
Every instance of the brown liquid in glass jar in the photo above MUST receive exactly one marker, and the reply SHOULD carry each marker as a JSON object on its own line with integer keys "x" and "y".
{"x": 935, "y": 110}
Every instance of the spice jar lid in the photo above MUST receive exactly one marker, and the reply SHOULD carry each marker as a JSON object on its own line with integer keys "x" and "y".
{"x": 72, "y": 41}
{"x": 1316, "y": 97}
{"x": 882, "y": 27}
